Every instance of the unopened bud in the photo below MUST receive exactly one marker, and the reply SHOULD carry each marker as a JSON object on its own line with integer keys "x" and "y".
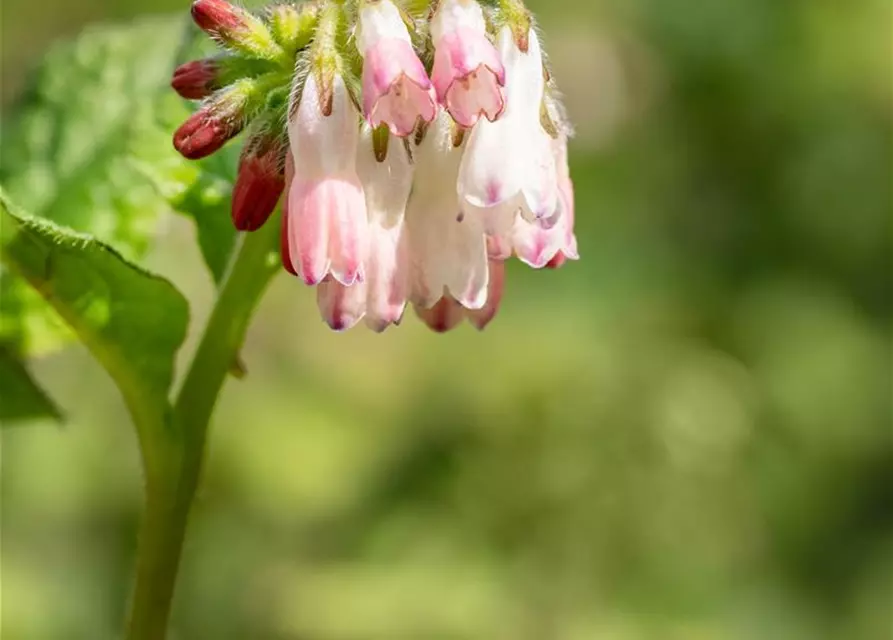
{"x": 260, "y": 183}
{"x": 205, "y": 132}
{"x": 236, "y": 28}
{"x": 196, "y": 80}
{"x": 218, "y": 17}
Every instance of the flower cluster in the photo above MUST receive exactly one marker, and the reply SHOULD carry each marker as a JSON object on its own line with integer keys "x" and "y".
{"x": 419, "y": 145}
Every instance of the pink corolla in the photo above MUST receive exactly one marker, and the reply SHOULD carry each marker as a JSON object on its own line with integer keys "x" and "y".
{"x": 508, "y": 164}
{"x": 468, "y": 75}
{"x": 381, "y": 297}
{"x": 539, "y": 243}
{"x": 396, "y": 89}
{"x": 326, "y": 207}
{"x": 400, "y": 189}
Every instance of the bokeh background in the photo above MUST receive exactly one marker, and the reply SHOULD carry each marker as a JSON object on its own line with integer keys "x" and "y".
{"x": 686, "y": 435}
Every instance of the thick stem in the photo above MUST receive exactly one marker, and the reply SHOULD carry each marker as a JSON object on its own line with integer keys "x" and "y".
{"x": 173, "y": 472}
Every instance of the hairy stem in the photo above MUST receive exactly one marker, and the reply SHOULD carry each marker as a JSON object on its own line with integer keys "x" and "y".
{"x": 174, "y": 469}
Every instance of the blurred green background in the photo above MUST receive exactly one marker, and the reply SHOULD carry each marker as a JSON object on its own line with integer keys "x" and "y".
{"x": 686, "y": 435}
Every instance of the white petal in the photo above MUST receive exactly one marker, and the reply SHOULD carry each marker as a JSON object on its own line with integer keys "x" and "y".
{"x": 379, "y": 20}
{"x": 323, "y": 145}
{"x": 455, "y": 14}
{"x": 512, "y": 157}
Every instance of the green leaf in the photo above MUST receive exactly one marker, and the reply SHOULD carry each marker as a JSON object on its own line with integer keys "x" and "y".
{"x": 199, "y": 190}
{"x": 21, "y": 398}
{"x": 89, "y": 147}
{"x": 132, "y": 321}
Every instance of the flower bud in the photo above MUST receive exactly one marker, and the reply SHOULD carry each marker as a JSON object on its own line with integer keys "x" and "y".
{"x": 259, "y": 184}
{"x": 218, "y": 17}
{"x": 196, "y": 80}
{"x": 205, "y": 132}
{"x": 238, "y": 29}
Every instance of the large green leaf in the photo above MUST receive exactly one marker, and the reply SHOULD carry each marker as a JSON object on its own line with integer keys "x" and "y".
{"x": 89, "y": 147}
{"x": 132, "y": 321}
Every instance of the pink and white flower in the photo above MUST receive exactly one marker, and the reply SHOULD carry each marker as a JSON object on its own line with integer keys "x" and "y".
{"x": 372, "y": 217}
{"x": 468, "y": 75}
{"x": 396, "y": 89}
{"x": 327, "y": 227}
{"x": 538, "y": 243}
{"x": 448, "y": 250}
{"x": 381, "y": 297}
{"x": 508, "y": 164}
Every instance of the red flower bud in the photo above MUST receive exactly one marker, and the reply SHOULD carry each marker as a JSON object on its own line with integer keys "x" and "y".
{"x": 217, "y": 16}
{"x": 196, "y": 80}
{"x": 205, "y": 132}
{"x": 258, "y": 187}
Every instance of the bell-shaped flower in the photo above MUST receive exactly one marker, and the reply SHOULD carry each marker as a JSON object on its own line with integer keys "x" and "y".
{"x": 381, "y": 297}
{"x": 387, "y": 185}
{"x": 327, "y": 227}
{"x": 448, "y": 250}
{"x": 396, "y": 89}
{"x": 468, "y": 74}
{"x": 508, "y": 164}
{"x": 539, "y": 243}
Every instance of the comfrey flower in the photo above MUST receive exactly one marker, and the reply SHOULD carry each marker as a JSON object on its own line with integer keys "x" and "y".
{"x": 419, "y": 146}
{"x": 396, "y": 89}
{"x": 468, "y": 72}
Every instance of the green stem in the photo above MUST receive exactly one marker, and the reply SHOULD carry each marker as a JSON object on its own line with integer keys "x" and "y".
{"x": 174, "y": 469}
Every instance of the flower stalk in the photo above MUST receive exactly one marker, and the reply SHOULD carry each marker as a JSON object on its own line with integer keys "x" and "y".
{"x": 178, "y": 437}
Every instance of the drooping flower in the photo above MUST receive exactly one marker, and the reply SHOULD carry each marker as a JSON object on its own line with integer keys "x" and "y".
{"x": 372, "y": 217}
{"x": 327, "y": 211}
{"x": 381, "y": 297}
{"x": 539, "y": 243}
{"x": 508, "y": 164}
{"x": 396, "y": 89}
{"x": 448, "y": 250}
{"x": 468, "y": 74}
